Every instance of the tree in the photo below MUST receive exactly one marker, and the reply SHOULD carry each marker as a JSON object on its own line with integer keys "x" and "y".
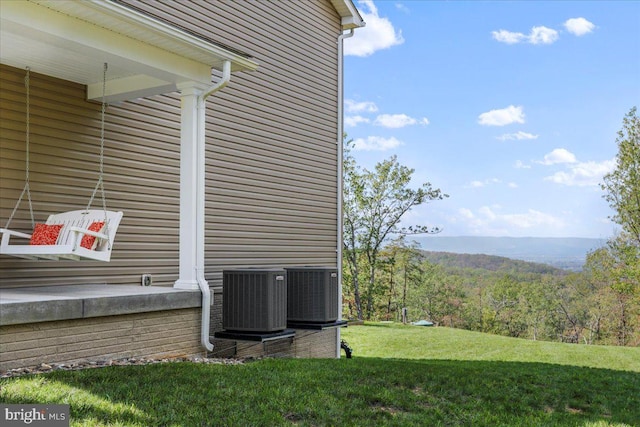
{"x": 623, "y": 183}
{"x": 439, "y": 295}
{"x": 614, "y": 294}
{"x": 622, "y": 253}
{"x": 539, "y": 307}
{"x": 374, "y": 205}
{"x": 352, "y": 224}
{"x": 504, "y": 299}
{"x": 408, "y": 260}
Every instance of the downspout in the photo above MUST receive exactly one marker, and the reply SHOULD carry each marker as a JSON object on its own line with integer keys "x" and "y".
{"x": 339, "y": 143}
{"x": 200, "y": 206}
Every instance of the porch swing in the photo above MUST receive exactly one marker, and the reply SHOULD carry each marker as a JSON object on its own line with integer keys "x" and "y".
{"x": 76, "y": 235}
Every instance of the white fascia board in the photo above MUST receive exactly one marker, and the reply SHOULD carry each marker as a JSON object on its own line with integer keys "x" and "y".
{"x": 349, "y": 13}
{"x": 350, "y": 23}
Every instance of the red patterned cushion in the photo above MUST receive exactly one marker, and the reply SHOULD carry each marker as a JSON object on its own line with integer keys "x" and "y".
{"x": 45, "y": 234}
{"x": 89, "y": 242}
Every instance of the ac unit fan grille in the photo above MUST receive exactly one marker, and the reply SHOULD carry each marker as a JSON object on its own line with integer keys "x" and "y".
{"x": 312, "y": 294}
{"x": 254, "y": 300}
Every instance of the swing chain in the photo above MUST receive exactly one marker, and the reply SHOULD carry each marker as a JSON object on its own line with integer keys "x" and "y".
{"x": 100, "y": 183}
{"x": 27, "y": 84}
{"x": 26, "y": 189}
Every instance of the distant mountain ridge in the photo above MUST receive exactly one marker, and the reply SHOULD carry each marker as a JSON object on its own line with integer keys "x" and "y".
{"x": 563, "y": 252}
{"x": 489, "y": 262}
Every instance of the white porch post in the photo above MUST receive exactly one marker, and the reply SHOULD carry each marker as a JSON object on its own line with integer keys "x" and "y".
{"x": 201, "y": 155}
{"x": 189, "y": 133}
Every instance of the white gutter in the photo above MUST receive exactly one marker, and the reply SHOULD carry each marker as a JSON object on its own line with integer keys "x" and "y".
{"x": 339, "y": 143}
{"x": 226, "y": 76}
{"x": 200, "y": 206}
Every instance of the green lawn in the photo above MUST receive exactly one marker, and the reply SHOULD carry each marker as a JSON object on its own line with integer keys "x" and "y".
{"x": 397, "y": 341}
{"x": 399, "y": 376}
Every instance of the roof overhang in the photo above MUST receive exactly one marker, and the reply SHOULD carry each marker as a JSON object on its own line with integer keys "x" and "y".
{"x": 350, "y": 16}
{"x": 71, "y": 40}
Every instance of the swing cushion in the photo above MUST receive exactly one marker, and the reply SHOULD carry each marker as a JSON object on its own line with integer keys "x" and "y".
{"x": 45, "y": 234}
{"x": 90, "y": 242}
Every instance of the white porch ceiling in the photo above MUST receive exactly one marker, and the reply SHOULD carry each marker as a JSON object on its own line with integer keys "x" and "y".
{"x": 71, "y": 40}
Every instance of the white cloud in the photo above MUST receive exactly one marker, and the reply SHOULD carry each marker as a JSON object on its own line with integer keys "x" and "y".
{"x": 559, "y": 155}
{"x": 508, "y": 37}
{"x": 512, "y": 185}
{"x": 583, "y": 174}
{"x": 520, "y": 135}
{"x": 538, "y": 35}
{"x": 579, "y": 26}
{"x": 402, "y": 7}
{"x": 465, "y": 213}
{"x": 487, "y": 212}
{"x": 520, "y": 165}
{"x": 352, "y": 106}
{"x": 378, "y": 33}
{"x": 542, "y": 35}
{"x": 576, "y": 174}
{"x": 394, "y": 121}
{"x": 502, "y": 117}
{"x": 375, "y": 143}
{"x": 478, "y": 183}
{"x": 489, "y": 220}
{"x": 353, "y": 121}
{"x": 532, "y": 218}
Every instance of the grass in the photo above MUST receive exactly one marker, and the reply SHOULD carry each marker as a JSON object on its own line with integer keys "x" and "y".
{"x": 392, "y": 340}
{"x": 399, "y": 376}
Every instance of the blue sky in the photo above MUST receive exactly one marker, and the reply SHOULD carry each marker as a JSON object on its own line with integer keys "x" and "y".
{"x": 511, "y": 108}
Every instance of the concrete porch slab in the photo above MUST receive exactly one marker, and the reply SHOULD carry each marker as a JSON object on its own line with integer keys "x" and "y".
{"x": 49, "y": 303}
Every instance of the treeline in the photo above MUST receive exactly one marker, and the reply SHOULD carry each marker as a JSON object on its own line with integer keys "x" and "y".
{"x": 501, "y": 296}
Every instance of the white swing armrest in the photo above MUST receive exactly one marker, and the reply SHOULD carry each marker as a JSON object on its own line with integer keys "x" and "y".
{"x": 81, "y": 231}
{"x": 6, "y": 235}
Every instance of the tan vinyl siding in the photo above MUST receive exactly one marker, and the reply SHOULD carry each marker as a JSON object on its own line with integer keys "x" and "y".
{"x": 141, "y": 177}
{"x": 271, "y": 134}
{"x": 282, "y": 181}
{"x": 271, "y": 151}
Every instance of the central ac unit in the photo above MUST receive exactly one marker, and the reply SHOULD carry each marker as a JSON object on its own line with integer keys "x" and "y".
{"x": 254, "y": 300}
{"x": 312, "y": 294}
